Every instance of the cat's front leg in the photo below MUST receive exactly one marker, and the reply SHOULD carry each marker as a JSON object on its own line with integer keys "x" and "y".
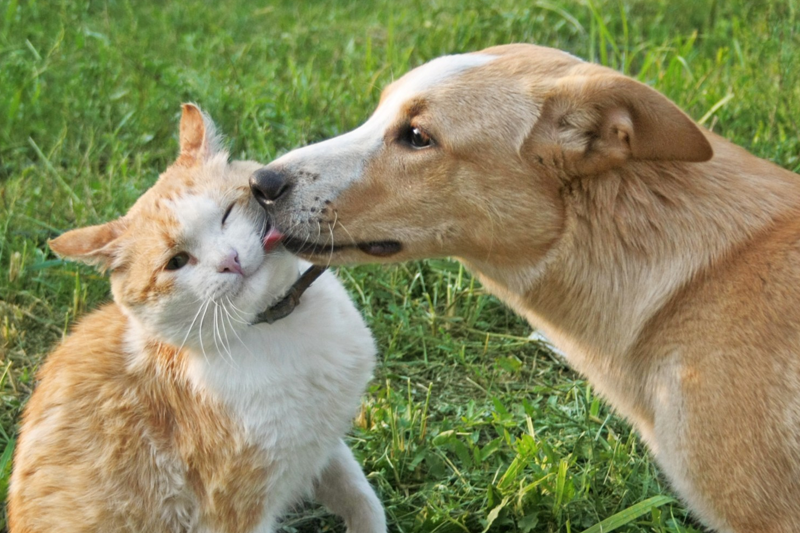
{"x": 344, "y": 490}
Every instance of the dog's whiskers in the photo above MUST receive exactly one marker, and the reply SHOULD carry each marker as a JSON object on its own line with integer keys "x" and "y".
{"x": 330, "y": 256}
{"x": 337, "y": 221}
{"x": 303, "y": 247}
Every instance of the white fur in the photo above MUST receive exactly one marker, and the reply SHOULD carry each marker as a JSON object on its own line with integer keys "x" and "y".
{"x": 295, "y": 385}
{"x": 202, "y": 289}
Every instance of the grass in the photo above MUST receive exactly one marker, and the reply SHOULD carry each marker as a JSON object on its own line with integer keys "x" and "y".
{"x": 468, "y": 426}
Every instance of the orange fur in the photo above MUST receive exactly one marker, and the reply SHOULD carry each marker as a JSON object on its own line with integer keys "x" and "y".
{"x": 102, "y": 426}
{"x": 108, "y": 421}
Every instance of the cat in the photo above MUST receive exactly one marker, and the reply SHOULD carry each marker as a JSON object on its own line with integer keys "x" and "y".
{"x": 166, "y": 411}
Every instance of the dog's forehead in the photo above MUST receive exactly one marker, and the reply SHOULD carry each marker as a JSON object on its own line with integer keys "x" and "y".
{"x": 430, "y": 75}
{"x": 352, "y": 149}
{"x": 440, "y": 69}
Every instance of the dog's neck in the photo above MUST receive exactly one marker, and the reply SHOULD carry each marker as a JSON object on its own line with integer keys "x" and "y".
{"x": 632, "y": 239}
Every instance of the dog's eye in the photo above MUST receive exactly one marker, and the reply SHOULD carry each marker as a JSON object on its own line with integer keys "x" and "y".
{"x": 417, "y": 138}
{"x": 178, "y": 261}
{"x": 227, "y": 212}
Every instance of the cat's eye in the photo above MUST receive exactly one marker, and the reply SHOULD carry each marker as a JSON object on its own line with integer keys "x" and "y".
{"x": 178, "y": 261}
{"x": 227, "y": 212}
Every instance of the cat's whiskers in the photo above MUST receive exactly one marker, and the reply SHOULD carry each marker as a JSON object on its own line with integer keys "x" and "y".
{"x": 189, "y": 331}
{"x": 218, "y": 335}
{"x": 214, "y": 328}
{"x": 200, "y": 333}
{"x": 233, "y": 328}
{"x": 239, "y": 314}
{"x": 225, "y": 332}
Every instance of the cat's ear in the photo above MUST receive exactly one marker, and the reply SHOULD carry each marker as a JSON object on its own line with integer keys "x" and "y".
{"x": 198, "y": 137}
{"x": 93, "y": 245}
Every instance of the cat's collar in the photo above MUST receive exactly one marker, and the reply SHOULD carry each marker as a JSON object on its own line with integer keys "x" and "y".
{"x": 284, "y": 307}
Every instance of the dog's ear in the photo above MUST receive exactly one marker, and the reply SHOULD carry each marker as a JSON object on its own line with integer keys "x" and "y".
{"x": 199, "y": 140}
{"x": 603, "y": 121}
{"x": 93, "y": 245}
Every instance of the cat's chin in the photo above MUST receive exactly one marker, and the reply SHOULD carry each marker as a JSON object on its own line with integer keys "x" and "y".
{"x": 267, "y": 284}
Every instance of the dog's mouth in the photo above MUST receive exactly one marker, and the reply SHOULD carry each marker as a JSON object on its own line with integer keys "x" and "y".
{"x": 271, "y": 237}
{"x": 309, "y": 248}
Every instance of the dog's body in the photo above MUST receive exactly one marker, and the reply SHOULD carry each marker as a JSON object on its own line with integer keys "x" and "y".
{"x": 662, "y": 259}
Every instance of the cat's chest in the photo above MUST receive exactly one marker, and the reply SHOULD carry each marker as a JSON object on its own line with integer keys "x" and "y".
{"x": 288, "y": 394}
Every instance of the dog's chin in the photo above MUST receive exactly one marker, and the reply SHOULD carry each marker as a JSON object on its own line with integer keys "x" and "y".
{"x": 355, "y": 252}
{"x": 380, "y": 248}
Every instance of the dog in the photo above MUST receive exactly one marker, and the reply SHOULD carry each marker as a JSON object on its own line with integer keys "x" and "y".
{"x": 663, "y": 260}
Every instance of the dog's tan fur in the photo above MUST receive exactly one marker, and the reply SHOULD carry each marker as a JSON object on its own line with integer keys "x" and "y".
{"x": 662, "y": 259}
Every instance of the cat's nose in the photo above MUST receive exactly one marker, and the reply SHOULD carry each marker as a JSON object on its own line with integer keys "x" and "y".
{"x": 231, "y": 264}
{"x": 268, "y": 186}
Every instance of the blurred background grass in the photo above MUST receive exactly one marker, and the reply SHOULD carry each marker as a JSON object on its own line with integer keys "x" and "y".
{"x": 469, "y": 426}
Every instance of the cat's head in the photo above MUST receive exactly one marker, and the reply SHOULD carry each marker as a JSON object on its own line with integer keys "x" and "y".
{"x": 192, "y": 251}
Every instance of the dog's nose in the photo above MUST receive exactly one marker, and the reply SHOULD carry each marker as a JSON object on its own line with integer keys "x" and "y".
{"x": 268, "y": 185}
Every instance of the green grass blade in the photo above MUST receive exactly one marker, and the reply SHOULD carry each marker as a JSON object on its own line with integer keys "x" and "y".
{"x": 628, "y": 515}
{"x": 8, "y": 453}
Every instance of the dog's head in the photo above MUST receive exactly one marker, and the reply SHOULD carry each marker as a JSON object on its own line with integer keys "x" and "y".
{"x": 468, "y": 156}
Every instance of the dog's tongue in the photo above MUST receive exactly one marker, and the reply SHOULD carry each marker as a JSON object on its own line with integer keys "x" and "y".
{"x": 272, "y": 239}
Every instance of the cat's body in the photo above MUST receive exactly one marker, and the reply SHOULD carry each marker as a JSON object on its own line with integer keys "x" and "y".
{"x": 144, "y": 421}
